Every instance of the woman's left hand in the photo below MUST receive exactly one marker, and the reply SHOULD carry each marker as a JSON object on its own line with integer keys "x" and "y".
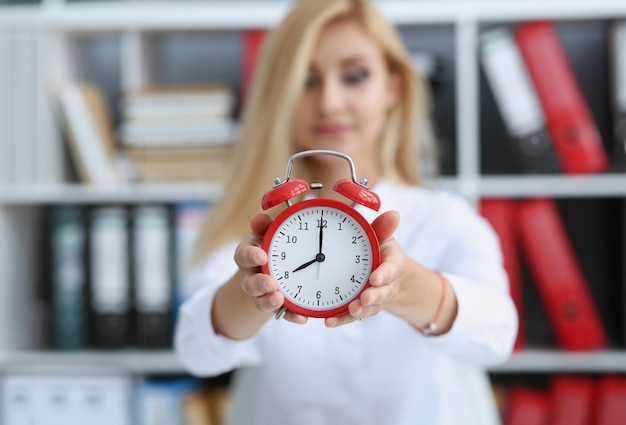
{"x": 384, "y": 280}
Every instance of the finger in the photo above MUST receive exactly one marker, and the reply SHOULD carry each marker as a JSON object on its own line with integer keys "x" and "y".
{"x": 258, "y": 284}
{"x": 385, "y": 224}
{"x": 295, "y": 318}
{"x": 392, "y": 264}
{"x": 377, "y": 296}
{"x": 249, "y": 256}
{"x": 269, "y": 302}
{"x": 356, "y": 309}
{"x": 259, "y": 224}
{"x": 344, "y": 319}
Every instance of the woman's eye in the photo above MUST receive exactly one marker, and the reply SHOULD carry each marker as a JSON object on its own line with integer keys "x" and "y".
{"x": 311, "y": 81}
{"x": 356, "y": 76}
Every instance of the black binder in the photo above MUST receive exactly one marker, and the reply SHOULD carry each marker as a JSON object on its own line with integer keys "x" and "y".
{"x": 109, "y": 280}
{"x": 517, "y": 102}
{"x": 69, "y": 277}
{"x": 152, "y": 276}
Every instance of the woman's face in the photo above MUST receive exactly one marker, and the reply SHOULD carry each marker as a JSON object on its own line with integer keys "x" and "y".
{"x": 347, "y": 93}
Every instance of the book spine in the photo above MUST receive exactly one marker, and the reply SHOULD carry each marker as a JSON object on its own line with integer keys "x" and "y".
{"x": 618, "y": 92}
{"x": 6, "y": 122}
{"x": 24, "y": 110}
{"x": 49, "y": 159}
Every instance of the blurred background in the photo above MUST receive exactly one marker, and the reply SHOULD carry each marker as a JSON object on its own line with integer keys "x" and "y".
{"x": 116, "y": 123}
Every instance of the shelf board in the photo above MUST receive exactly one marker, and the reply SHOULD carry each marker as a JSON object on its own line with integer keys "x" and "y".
{"x": 126, "y": 361}
{"x": 558, "y": 186}
{"x": 90, "y": 194}
{"x": 164, "y": 362}
{"x": 522, "y": 186}
{"x": 551, "y": 361}
{"x": 196, "y": 15}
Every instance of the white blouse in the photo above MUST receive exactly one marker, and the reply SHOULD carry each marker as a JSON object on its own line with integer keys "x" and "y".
{"x": 380, "y": 370}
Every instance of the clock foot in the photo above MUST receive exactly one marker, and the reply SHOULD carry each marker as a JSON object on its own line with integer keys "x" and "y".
{"x": 281, "y": 312}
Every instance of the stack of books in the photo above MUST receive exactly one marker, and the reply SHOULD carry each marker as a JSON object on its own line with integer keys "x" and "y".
{"x": 180, "y": 132}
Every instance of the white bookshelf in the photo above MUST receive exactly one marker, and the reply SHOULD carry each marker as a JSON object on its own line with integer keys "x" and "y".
{"x": 58, "y": 24}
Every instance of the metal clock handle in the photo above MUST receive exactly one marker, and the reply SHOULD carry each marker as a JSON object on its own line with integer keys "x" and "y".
{"x": 314, "y": 152}
{"x": 356, "y": 191}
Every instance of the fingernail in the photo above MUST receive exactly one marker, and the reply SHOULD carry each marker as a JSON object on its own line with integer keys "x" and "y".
{"x": 273, "y": 301}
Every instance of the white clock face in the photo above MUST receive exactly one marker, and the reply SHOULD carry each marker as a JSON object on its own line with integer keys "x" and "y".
{"x": 321, "y": 256}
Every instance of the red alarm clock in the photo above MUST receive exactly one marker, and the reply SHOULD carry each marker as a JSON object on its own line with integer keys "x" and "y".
{"x": 321, "y": 251}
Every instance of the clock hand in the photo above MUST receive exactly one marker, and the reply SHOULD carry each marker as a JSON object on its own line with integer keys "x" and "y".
{"x": 321, "y": 232}
{"x": 305, "y": 265}
{"x": 318, "y": 258}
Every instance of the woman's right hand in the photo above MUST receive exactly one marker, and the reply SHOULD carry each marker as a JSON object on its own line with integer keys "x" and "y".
{"x": 260, "y": 287}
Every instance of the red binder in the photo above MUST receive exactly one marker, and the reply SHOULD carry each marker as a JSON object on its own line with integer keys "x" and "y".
{"x": 501, "y": 215}
{"x": 526, "y": 406}
{"x": 610, "y": 401}
{"x": 559, "y": 279}
{"x": 572, "y": 128}
{"x": 252, "y": 42}
{"x": 571, "y": 400}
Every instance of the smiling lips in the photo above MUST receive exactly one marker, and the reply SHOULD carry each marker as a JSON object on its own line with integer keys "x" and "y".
{"x": 331, "y": 130}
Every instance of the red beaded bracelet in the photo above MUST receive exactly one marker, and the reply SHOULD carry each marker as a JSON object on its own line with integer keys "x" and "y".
{"x": 432, "y": 326}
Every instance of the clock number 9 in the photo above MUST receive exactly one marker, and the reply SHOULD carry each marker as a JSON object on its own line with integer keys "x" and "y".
{"x": 283, "y": 255}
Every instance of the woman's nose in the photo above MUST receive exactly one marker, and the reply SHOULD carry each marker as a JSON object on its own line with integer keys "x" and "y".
{"x": 330, "y": 98}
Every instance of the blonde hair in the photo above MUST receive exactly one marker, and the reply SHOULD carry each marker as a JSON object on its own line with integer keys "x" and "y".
{"x": 264, "y": 144}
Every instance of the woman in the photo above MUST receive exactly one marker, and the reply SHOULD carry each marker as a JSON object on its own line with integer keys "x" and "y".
{"x": 335, "y": 75}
